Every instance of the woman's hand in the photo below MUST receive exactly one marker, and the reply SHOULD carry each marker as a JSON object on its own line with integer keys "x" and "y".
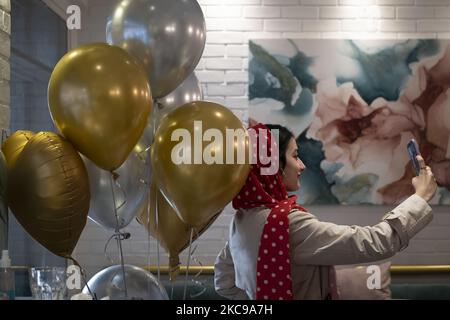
{"x": 425, "y": 183}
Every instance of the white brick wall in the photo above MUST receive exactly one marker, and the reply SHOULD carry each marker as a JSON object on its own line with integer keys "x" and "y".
{"x": 261, "y": 12}
{"x": 223, "y": 73}
{"x": 416, "y": 12}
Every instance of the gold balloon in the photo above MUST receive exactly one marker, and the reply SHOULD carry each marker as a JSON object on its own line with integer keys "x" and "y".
{"x": 198, "y": 191}
{"x": 172, "y": 233}
{"x": 48, "y": 192}
{"x": 14, "y": 145}
{"x": 100, "y": 100}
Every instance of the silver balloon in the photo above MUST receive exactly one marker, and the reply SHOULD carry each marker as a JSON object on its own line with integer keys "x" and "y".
{"x": 140, "y": 284}
{"x": 167, "y": 36}
{"x": 130, "y": 188}
{"x": 189, "y": 90}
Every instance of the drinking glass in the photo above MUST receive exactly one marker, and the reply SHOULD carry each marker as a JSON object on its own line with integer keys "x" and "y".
{"x": 48, "y": 283}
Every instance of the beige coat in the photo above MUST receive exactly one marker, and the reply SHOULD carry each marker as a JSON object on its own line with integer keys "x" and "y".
{"x": 314, "y": 246}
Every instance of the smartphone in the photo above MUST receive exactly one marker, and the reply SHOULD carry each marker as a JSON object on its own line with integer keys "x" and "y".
{"x": 413, "y": 150}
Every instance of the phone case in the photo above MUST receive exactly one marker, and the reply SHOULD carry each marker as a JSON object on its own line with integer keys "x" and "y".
{"x": 413, "y": 150}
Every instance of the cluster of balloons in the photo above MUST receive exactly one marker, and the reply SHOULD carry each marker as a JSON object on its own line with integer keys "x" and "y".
{"x": 168, "y": 38}
{"x": 116, "y": 107}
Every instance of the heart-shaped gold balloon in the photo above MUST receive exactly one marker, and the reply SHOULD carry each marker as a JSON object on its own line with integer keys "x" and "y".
{"x": 172, "y": 233}
{"x": 100, "y": 99}
{"x": 14, "y": 145}
{"x": 197, "y": 191}
{"x": 48, "y": 192}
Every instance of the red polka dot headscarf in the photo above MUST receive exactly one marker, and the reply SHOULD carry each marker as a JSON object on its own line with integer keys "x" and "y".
{"x": 273, "y": 279}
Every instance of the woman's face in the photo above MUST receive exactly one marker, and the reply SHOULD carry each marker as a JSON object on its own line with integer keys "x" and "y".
{"x": 294, "y": 167}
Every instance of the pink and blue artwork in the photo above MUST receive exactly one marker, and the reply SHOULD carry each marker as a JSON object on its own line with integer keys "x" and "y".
{"x": 353, "y": 105}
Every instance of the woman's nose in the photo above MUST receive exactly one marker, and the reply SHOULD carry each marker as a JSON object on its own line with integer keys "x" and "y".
{"x": 302, "y": 166}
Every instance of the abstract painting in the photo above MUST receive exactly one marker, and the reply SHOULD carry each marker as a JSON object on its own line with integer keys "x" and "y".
{"x": 353, "y": 105}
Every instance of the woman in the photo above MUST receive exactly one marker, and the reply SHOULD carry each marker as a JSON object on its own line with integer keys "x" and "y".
{"x": 265, "y": 259}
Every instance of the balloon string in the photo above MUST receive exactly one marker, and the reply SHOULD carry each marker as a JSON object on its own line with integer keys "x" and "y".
{"x": 147, "y": 185}
{"x": 195, "y": 280}
{"x": 148, "y": 228}
{"x": 105, "y": 250}
{"x": 119, "y": 235}
{"x": 119, "y": 240}
{"x": 157, "y": 238}
{"x": 83, "y": 275}
{"x": 188, "y": 263}
{"x": 154, "y": 120}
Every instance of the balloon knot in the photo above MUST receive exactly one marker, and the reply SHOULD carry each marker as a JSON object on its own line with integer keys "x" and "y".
{"x": 159, "y": 105}
{"x": 122, "y": 235}
{"x": 115, "y": 175}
